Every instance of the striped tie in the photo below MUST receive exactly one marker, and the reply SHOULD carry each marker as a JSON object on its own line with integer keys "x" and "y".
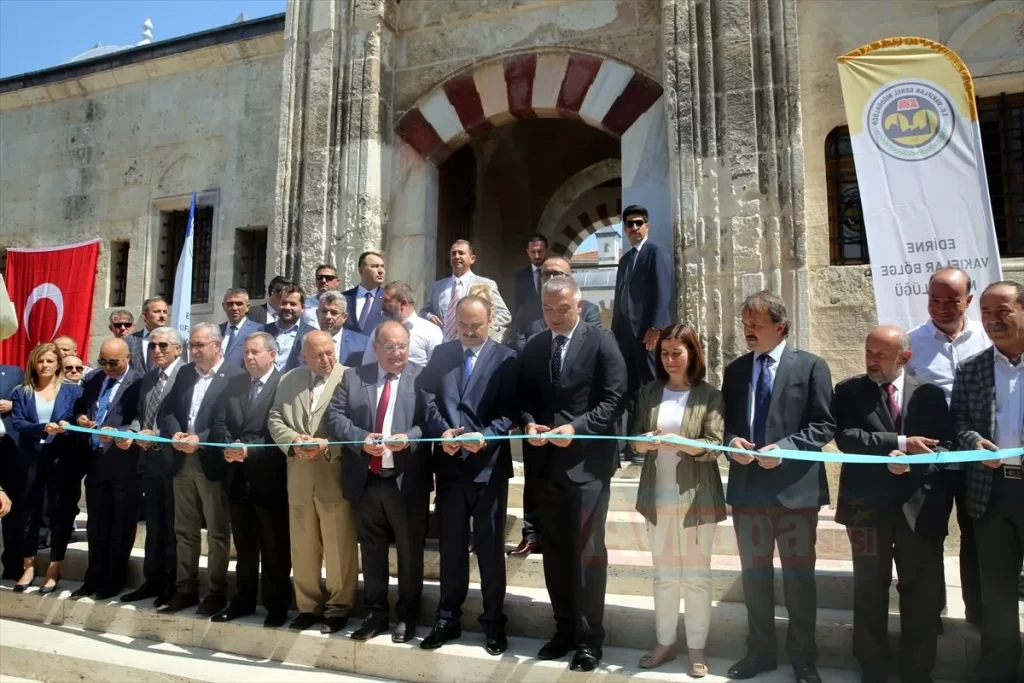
{"x": 450, "y": 326}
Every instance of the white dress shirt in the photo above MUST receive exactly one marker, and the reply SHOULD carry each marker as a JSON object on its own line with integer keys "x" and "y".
{"x": 388, "y": 460}
{"x": 227, "y": 333}
{"x": 199, "y": 392}
{"x": 1009, "y": 405}
{"x": 565, "y": 346}
{"x": 936, "y": 356}
{"x": 671, "y": 411}
{"x": 271, "y": 314}
{"x": 285, "y": 341}
{"x": 309, "y": 312}
{"x": 145, "y": 348}
{"x": 773, "y": 369}
{"x": 361, "y": 293}
{"x": 424, "y": 336}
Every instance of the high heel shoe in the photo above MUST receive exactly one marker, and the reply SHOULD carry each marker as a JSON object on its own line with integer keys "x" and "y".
{"x": 46, "y": 590}
{"x": 20, "y": 587}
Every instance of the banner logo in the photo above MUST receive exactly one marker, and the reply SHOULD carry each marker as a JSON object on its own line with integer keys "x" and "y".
{"x": 50, "y": 291}
{"x": 910, "y": 120}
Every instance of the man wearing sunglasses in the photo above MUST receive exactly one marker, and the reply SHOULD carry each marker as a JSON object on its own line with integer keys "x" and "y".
{"x": 122, "y": 322}
{"x": 327, "y": 280}
{"x": 74, "y": 369}
{"x": 643, "y": 292}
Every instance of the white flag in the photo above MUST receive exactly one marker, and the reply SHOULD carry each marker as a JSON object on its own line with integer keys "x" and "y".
{"x": 183, "y": 279}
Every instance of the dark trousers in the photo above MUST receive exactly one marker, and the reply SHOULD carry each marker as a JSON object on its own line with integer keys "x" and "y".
{"x": 384, "y": 510}
{"x": 1000, "y": 537}
{"x": 160, "y": 563}
{"x": 113, "y": 518}
{"x": 639, "y": 371}
{"x": 457, "y": 502}
{"x": 263, "y": 552}
{"x": 921, "y": 578}
{"x": 572, "y": 521}
{"x": 955, "y": 482}
{"x": 530, "y": 516}
{"x": 796, "y": 531}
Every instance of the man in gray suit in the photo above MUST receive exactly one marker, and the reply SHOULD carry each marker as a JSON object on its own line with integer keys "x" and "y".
{"x": 154, "y": 315}
{"x": 445, "y": 294}
{"x": 776, "y": 397}
{"x": 157, "y": 478}
{"x": 987, "y": 405}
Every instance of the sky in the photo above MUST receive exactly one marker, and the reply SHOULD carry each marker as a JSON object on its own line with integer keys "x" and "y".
{"x": 590, "y": 243}
{"x": 37, "y": 34}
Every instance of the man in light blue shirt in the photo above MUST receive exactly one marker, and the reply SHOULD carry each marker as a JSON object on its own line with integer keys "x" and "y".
{"x": 289, "y": 330}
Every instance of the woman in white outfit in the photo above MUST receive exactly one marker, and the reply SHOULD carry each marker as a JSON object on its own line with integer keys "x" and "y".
{"x": 680, "y": 493}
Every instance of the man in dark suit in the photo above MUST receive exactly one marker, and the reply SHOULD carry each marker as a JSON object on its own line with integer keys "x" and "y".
{"x": 987, "y": 404}
{"x": 572, "y": 380}
{"x": 776, "y": 397}
{"x": 237, "y": 328}
{"x": 365, "y": 300}
{"x": 289, "y": 329}
{"x": 387, "y": 477}
{"x": 470, "y": 390}
{"x": 11, "y": 377}
{"x": 896, "y": 513}
{"x": 267, "y": 313}
{"x": 121, "y": 324}
{"x": 643, "y": 299}
{"x": 199, "y": 472}
{"x": 256, "y": 484}
{"x": 157, "y": 476}
{"x": 528, "y": 280}
{"x": 109, "y": 400}
{"x": 154, "y": 315}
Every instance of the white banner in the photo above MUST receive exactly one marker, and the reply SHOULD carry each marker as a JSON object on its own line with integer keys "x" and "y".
{"x": 182, "y": 308}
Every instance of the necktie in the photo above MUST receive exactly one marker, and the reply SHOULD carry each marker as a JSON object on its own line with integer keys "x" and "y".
{"x": 556, "y": 359}
{"x": 377, "y": 461}
{"x": 450, "y": 327}
{"x": 153, "y": 403}
{"x": 536, "y": 280}
{"x": 254, "y": 391}
{"x": 231, "y": 337}
{"x": 102, "y": 404}
{"x": 890, "y": 401}
{"x": 762, "y": 397}
{"x": 467, "y": 368}
{"x": 365, "y": 314}
{"x": 318, "y": 381}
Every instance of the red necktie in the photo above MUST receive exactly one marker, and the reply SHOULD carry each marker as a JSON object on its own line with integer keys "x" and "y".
{"x": 377, "y": 461}
{"x": 894, "y": 407}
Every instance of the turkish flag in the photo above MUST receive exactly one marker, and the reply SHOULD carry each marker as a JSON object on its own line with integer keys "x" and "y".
{"x": 52, "y": 290}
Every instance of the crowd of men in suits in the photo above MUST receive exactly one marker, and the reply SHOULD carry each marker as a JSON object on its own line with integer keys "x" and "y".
{"x": 326, "y": 402}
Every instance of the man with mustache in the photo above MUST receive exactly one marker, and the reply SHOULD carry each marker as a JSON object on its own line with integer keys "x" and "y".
{"x": 988, "y": 410}
{"x": 445, "y": 294}
{"x": 154, "y": 315}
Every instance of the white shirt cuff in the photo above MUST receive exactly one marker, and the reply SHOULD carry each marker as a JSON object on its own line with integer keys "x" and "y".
{"x": 901, "y": 440}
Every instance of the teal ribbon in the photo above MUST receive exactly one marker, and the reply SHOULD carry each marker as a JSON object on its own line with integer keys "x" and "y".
{"x": 941, "y": 458}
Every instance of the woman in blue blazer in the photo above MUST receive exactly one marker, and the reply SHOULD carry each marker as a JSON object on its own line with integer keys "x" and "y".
{"x": 43, "y": 402}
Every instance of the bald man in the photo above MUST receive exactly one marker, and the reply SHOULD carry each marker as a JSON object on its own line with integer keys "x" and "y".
{"x": 893, "y": 511}
{"x": 113, "y": 485}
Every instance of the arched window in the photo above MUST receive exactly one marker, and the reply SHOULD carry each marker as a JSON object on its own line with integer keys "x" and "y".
{"x": 1001, "y": 120}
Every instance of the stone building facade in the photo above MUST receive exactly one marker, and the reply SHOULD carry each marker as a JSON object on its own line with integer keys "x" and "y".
{"x": 402, "y": 125}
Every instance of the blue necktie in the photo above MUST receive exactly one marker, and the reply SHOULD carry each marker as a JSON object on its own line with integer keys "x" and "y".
{"x": 467, "y": 368}
{"x": 762, "y": 398}
{"x": 254, "y": 392}
{"x": 101, "y": 409}
{"x": 231, "y": 337}
{"x": 365, "y": 314}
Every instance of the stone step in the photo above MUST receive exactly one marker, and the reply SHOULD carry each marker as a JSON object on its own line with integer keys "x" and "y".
{"x": 629, "y": 624}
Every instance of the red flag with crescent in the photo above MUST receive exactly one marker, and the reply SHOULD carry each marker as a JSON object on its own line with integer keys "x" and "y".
{"x": 52, "y": 290}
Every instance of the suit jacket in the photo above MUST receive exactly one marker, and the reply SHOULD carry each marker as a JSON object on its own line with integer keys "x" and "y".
{"x": 108, "y": 462}
{"x": 25, "y": 419}
{"x": 590, "y": 396}
{"x": 11, "y": 377}
{"x": 233, "y": 354}
{"x": 501, "y": 316}
{"x": 648, "y": 302}
{"x": 870, "y": 495}
{"x": 525, "y": 288}
{"x": 295, "y": 356}
{"x": 351, "y": 415}
{"x": 529, "y": 321}
{"x": 261, "y": 478}
{"x": 135, "y": 343}
{"x": 799, "y": 418}
{"x": 155, "y": 461}
{"x": 291, "y": 415}
{"x": 174, "y": 416}
{"x": 259, "y": 314}
{"x": 376, "y": 316}
{"x": 973, "y": 406}
{"x": 486, "y": 404}
{"x": 353, "y": 346}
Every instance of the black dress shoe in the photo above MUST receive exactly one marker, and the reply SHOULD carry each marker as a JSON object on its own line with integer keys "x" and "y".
{"x": 107, "y": 594}
{"x": 370, "y": 628}
{"x": 180, "y": 601}
{"x": 275, "y": 620}
{"x": 404, "y": 632}
{"x": 141, "y": 593}
{"x": 496, "y": 643}
{"x": 163, "y": 599}
{"x": 749, "y": 666}
{"x": 556, "y": 648}
{"x": 523, "y": 549}
{"x": 806, "y": 673}
{"x": 586, "y": 658}
{"x": 231, "y": 613}
{"x": 333, "y": 624}
{"x": 303, "y": 621}
{"x": 211, "y": 604}
{"x": 83, "y": 592}
{"x": 439, "y": 635}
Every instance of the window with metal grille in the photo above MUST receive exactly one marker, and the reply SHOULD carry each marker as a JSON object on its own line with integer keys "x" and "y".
{"x": 1001, "y": 120}
{"x": 118, "y": 273}
{"x": 173, "y": 225}
{"x": 251, "y": 261}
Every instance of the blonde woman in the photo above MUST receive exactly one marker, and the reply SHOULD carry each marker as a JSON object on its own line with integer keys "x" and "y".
{"x": 483, "y": 291}
{"x": 680, "y": 493}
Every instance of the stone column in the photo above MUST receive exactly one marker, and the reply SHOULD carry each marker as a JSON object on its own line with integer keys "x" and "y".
{"x": 334, "y": 158}
{"x": 732, "y": 95}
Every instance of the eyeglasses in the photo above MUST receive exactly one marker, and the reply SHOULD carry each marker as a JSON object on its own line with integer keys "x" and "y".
{"x": 123, "y": 326}
{"x": 198, "y": 346}
{"x": 636, "y": 223}
{"x": 553, "y": 273}
{"x": 326, "y": 278}
{"x": 109, "y": 362}
{"x": 74, "y": 368}
{"x": 391, "y": 348}
{"x": 163, "y": 346}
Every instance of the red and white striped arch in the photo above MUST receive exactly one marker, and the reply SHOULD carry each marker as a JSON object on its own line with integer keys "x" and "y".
{"x": 571, "y": 85}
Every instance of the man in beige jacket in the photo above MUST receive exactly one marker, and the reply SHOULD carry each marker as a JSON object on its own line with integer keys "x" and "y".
{"x": 321, "y": 521}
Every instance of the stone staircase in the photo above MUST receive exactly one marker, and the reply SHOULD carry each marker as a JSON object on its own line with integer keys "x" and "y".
{"x": 629, "y": 619}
